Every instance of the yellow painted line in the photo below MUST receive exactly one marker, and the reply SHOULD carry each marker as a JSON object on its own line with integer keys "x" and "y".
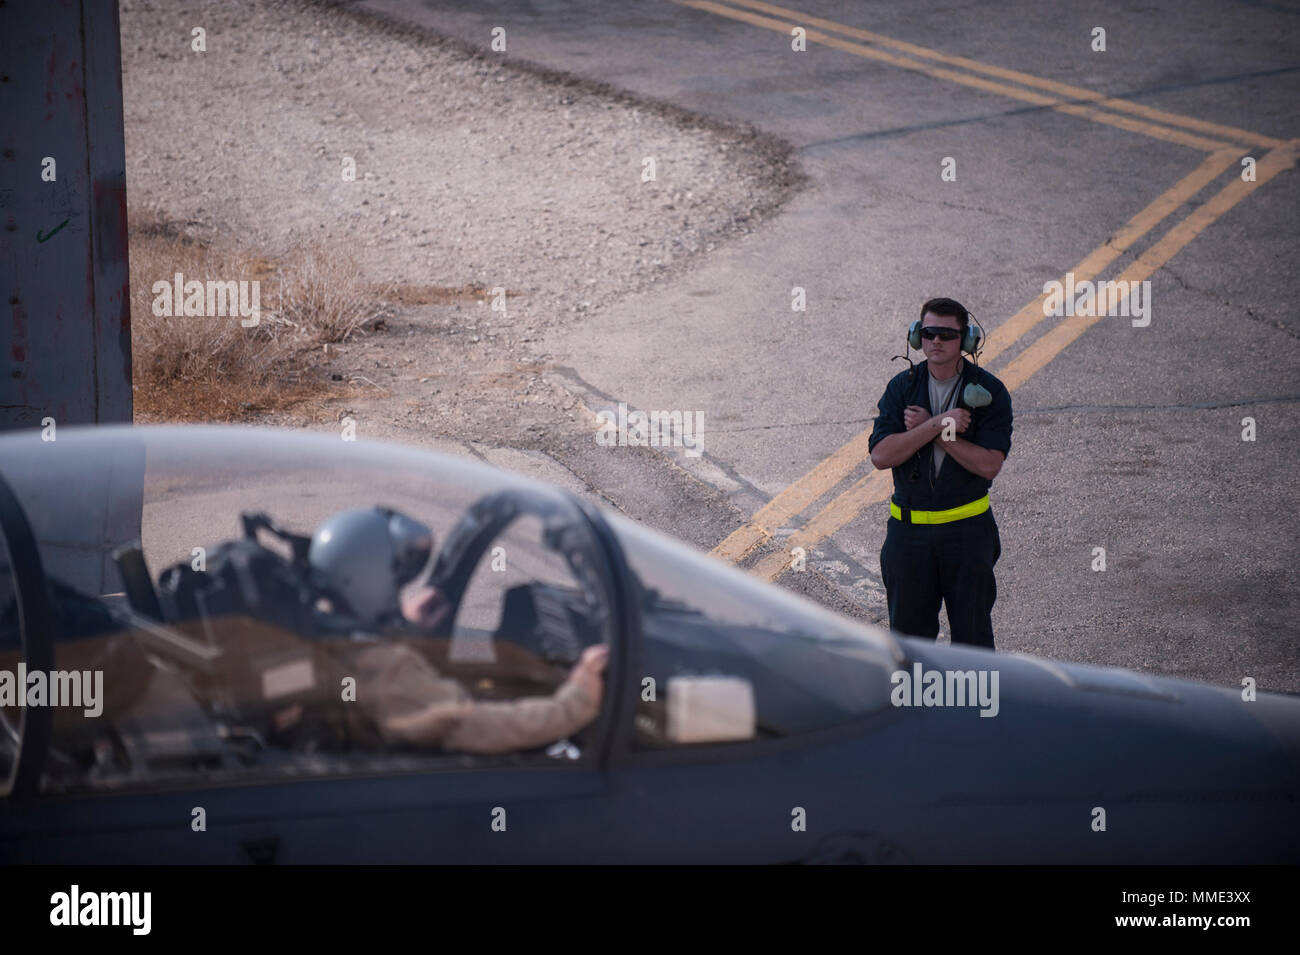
{"x": 817, "y": 482}
{"x": 965, "y": 79}
{"x": 1149, "y": 129}
{"x": 794, "y": 499}
{"x": 824, "y": 476}
{"x": 870, "y": 53}
{"x": 871, "y": 489}
{"x": 1027, "y": 79}
{"x": 1012, "y": 330}
{"x": 1171, "y": 243}
{"x": 877, "y": 486}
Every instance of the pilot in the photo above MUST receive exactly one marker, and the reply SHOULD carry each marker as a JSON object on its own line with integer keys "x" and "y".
{"x": 361, "y": 559}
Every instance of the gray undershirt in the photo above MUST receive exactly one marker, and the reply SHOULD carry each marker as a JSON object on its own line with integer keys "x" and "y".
{"x": 941, "y": 393}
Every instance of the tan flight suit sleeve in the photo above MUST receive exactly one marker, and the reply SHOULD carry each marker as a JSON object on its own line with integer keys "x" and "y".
{"x": 412, "y": 703}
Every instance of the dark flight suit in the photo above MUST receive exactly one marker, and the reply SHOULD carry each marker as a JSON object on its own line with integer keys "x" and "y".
{"x": 923, "y": 564}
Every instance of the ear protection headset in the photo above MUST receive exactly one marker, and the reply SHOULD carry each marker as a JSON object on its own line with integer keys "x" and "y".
{"x": 972, "y": 339}
{"x": 973, "y": 395}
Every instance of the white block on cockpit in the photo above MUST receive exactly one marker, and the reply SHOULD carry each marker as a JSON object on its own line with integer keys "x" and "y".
{"x": 710, "y": 709}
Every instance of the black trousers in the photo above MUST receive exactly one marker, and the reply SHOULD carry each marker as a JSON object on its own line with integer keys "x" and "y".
{"x": 926, "y": 564}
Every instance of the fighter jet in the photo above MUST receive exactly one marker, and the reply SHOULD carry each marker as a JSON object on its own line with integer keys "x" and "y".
{"x": 185, "y": 619}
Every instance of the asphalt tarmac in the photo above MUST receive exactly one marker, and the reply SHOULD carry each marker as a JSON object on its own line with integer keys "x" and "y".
{"x": 1117, "y": 164}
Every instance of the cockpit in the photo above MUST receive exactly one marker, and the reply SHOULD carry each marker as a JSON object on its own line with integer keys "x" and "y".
{"x": 221, "y": 583}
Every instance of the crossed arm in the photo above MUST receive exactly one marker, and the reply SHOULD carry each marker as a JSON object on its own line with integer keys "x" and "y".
{"x": 922, "y": 429}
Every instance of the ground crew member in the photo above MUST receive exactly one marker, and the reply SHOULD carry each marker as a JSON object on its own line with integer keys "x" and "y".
{"x": 944, "y": 428}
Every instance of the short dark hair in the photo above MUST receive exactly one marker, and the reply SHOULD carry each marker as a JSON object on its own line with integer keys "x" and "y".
{"x": 947, "y": 306}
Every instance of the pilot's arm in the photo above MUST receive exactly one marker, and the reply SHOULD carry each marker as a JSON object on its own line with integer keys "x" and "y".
{"x": 412, "y": 703}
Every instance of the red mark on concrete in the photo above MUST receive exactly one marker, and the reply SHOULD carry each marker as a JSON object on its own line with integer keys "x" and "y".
{"x": 49, "y": 78}
{"x": 19, "y": 322}
{"x": 78, "y": 94}
{"x": 124, "y": 317}
{"x": 18, "y": 349}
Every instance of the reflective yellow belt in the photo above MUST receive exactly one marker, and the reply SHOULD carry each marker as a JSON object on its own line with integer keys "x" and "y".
{"x": 943, "y": 517}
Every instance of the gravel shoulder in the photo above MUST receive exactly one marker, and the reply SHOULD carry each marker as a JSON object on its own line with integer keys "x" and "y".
{"x": 472, "y": 173}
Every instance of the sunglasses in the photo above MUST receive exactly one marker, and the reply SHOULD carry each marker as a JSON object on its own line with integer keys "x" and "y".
{"x": 931, "y": 332}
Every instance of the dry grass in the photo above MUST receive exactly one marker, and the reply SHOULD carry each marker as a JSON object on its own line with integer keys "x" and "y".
{"x": 191, "y": 368}
{"x": 326, "y": 295}
{"x": 434, "y": 294}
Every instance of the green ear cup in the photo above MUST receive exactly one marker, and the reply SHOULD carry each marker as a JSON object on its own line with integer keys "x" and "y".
{"x": 976, "y": 396}
{"x": 970, "y": 339}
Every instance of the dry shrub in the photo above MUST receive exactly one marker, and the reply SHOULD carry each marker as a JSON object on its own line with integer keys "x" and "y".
{"x": 324, "y": 293}
{"x": 192, "y": 368}
{"x": 205, "y": 368}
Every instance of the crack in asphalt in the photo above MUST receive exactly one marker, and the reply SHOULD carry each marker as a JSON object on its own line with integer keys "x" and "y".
{"x": 1049, "y": 409}
{"x": 992, "y": 213}
{"x": 1024, "y": 110}
{"x": 1250, "y": 312}
{"x": 1195, "y": 406}
{"x": 727, "y": 469}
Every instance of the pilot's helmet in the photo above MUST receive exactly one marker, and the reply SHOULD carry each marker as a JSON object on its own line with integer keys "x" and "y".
{"x": 363, "y": 557}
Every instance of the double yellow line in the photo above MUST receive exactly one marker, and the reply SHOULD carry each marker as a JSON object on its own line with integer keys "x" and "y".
{"x": 1066, "y": 98}
{"x": 1223, "y": 143}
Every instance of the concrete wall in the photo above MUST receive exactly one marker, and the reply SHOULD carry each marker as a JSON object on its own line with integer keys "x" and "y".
{"x": 66, "y": 337}
{"x": 65, "y": 340}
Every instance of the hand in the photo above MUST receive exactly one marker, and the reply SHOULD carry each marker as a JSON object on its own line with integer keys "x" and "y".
{"x": 586, "y": 673}
{"x": 960, "y": 417}
{"x": 425, "y": 607}
{"x": 914, "y": 415}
